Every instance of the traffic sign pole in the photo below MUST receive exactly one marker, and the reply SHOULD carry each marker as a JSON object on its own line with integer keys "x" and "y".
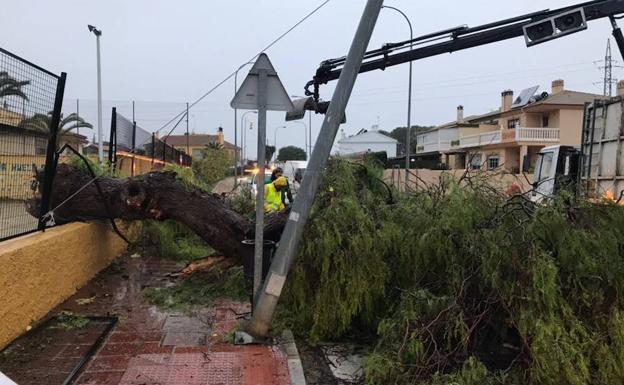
{"x": 259, "y": 242}
{"x": 289, "y": 242}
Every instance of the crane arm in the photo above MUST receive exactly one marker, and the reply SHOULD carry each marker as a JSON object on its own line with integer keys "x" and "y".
{"x": 461, "y": 38}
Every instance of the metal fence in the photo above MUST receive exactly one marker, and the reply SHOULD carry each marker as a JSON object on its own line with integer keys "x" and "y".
{"x": 30, "y": 111}
{"x": 127, "y": 136}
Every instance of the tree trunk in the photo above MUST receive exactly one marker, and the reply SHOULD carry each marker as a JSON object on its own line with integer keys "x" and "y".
{"x": 159, "y": 196}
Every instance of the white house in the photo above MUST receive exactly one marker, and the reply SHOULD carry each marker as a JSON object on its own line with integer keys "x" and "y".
{"x": 367, "y": 141}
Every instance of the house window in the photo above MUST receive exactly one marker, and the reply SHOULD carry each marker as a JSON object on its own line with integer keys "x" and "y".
{"x": 475, "y": 161}
{"x": 41, "y": 145}
{"x": 545, "y": 121}
{"x": 197, "y": 153}
{"x": 513, "y": 124}
{"x": 493, "y": 162}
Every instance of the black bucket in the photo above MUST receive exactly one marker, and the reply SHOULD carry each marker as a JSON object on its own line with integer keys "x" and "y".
{"x": 248, "y": 257}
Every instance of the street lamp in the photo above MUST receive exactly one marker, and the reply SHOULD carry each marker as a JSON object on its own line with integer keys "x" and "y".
{"x": 243, "y": 133}
{"x": 97, "y": 34}
{"x": 309, "y": 141}
{"x": 236, "y": 117}
{"x": 409, "y": 98}
{"x": 275, "y": 138}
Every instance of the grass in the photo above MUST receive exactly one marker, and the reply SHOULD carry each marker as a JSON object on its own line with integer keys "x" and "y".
{"x": 200, "y": 290}
{"x": 175, "y": 241}
{"x": 70, "y": 321}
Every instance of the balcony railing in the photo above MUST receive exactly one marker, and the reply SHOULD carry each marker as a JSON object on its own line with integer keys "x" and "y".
{"x": 520, "y": 134}
{"x": 441, "y": 146}
{"x": 525, "y": 134}
{"x": 481, "y": 139}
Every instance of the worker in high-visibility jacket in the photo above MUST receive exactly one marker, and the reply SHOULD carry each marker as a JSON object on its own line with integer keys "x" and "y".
{"x": 273, "y": 195}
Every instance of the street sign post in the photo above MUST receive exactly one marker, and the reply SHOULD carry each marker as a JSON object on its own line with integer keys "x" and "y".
{"x": 261, "y": 90}
{"x": 289, "y": 242}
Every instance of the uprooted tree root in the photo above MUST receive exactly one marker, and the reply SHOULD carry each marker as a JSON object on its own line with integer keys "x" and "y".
{"x": 463, "y": 284}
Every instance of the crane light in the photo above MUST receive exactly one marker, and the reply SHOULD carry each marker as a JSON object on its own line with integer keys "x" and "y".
{"x": 555, "y": 26}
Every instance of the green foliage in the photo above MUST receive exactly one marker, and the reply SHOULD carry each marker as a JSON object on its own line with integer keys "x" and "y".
{"x": 42, "y": 123}
{"x": 9, "y": 86}
{"x": 187, "y": 176}
{"x": 200, "y": 290}
{"x": 102, "y": 170}
{"x": 175, "y": 241}
{"x": 291, "y": 153}
{"x": 70, "y": 321}
{"x": 212, "y": 167}
{"x": 462, "y": 285}
{"x": 242, "y": 201}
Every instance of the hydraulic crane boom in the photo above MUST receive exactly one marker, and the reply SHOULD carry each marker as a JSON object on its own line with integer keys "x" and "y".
{"x": 537, "y": 27}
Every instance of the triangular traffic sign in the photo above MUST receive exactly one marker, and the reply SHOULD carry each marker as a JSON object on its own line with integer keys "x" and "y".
{"x": 246, "y": 97}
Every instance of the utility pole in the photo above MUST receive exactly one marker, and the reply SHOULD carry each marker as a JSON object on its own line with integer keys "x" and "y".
{"x": 187, "y": 134}
{"x": 77, "y": 114}
{"x": 289, "y": 242}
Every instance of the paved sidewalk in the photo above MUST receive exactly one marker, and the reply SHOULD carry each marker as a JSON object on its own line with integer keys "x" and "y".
{"x": 149, "y": 346}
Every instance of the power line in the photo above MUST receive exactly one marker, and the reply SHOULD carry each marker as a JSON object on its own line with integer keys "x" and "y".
{"x": 280, "y": 37}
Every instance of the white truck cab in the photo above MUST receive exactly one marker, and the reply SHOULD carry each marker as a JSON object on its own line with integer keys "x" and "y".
{"x": 556, "y": 168}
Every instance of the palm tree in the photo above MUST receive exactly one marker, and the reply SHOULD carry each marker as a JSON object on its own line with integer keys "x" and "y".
{"x": 42, "y": 123}
{"x": 11, "y": 87}
{"x": 214, "y": 146}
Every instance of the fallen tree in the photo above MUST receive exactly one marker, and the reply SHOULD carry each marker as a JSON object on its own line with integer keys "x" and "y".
{"x": 457, "y": 284}
{"x": 159, "y": 196}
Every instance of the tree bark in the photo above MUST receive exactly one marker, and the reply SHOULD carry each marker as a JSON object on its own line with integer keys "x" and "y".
{"x": 159, "y": 196}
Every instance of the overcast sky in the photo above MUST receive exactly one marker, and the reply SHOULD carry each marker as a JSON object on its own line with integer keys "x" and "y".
{"x": 164, "y": 53}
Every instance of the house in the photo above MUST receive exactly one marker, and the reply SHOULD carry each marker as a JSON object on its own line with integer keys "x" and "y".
{"x": 15, "y": 140}
{"x": 367, "y": 141}
{"x": 193, "y": 144}
{"x": 521, "y": 126}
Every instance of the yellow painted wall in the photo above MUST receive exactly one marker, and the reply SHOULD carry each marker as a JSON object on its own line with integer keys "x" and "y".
{"x": 39, "y": 270}
{"x": 16, "y": 175}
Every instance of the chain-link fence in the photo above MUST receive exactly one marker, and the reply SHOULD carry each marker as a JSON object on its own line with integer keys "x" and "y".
{"x": 30, "y": 111}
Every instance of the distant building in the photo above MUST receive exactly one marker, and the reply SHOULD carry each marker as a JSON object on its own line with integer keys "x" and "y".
{"x": 15, "y": 140}
{"x": 367, "y": 141}
{"x": 197, "y": 142}
{"x": 501, "y": 139}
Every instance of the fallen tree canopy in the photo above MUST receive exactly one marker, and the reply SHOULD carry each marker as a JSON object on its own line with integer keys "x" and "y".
{"x": 458, "y": 284}
{"x": 462, "y": 284}
{"x": 159, "y": 196}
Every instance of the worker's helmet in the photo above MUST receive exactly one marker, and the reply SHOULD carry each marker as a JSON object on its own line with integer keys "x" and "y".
{"x": 280, "y": 182}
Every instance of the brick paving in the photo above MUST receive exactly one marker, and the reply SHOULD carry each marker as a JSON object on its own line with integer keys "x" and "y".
{"x": 152, "y": 347}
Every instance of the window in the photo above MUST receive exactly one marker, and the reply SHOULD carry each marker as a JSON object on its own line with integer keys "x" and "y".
{"x": 475, "y": 161}
{"x": 197, "y": 153}
{"x": 493, "y": 162}
{"x": 41, "y": 145}
{"x": 513, "y": 124}
{"x": 545, "y": 121}
{"x": 544, "y": 167}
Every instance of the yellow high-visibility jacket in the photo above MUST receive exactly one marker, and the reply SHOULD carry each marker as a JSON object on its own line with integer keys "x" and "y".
{"x": 272, "y": 199}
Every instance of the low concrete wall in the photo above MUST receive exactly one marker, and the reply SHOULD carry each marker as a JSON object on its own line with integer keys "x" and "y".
{"x": 419, "y": 177}
{"x": 38, "y": 271}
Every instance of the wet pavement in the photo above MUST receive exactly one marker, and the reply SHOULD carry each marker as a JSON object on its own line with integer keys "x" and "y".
{"x": 149, "y": 346}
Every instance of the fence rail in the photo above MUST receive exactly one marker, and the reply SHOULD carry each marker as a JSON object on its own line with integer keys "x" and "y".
{"x": 127, "y": 138}
{"x": 30, "y": 111}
